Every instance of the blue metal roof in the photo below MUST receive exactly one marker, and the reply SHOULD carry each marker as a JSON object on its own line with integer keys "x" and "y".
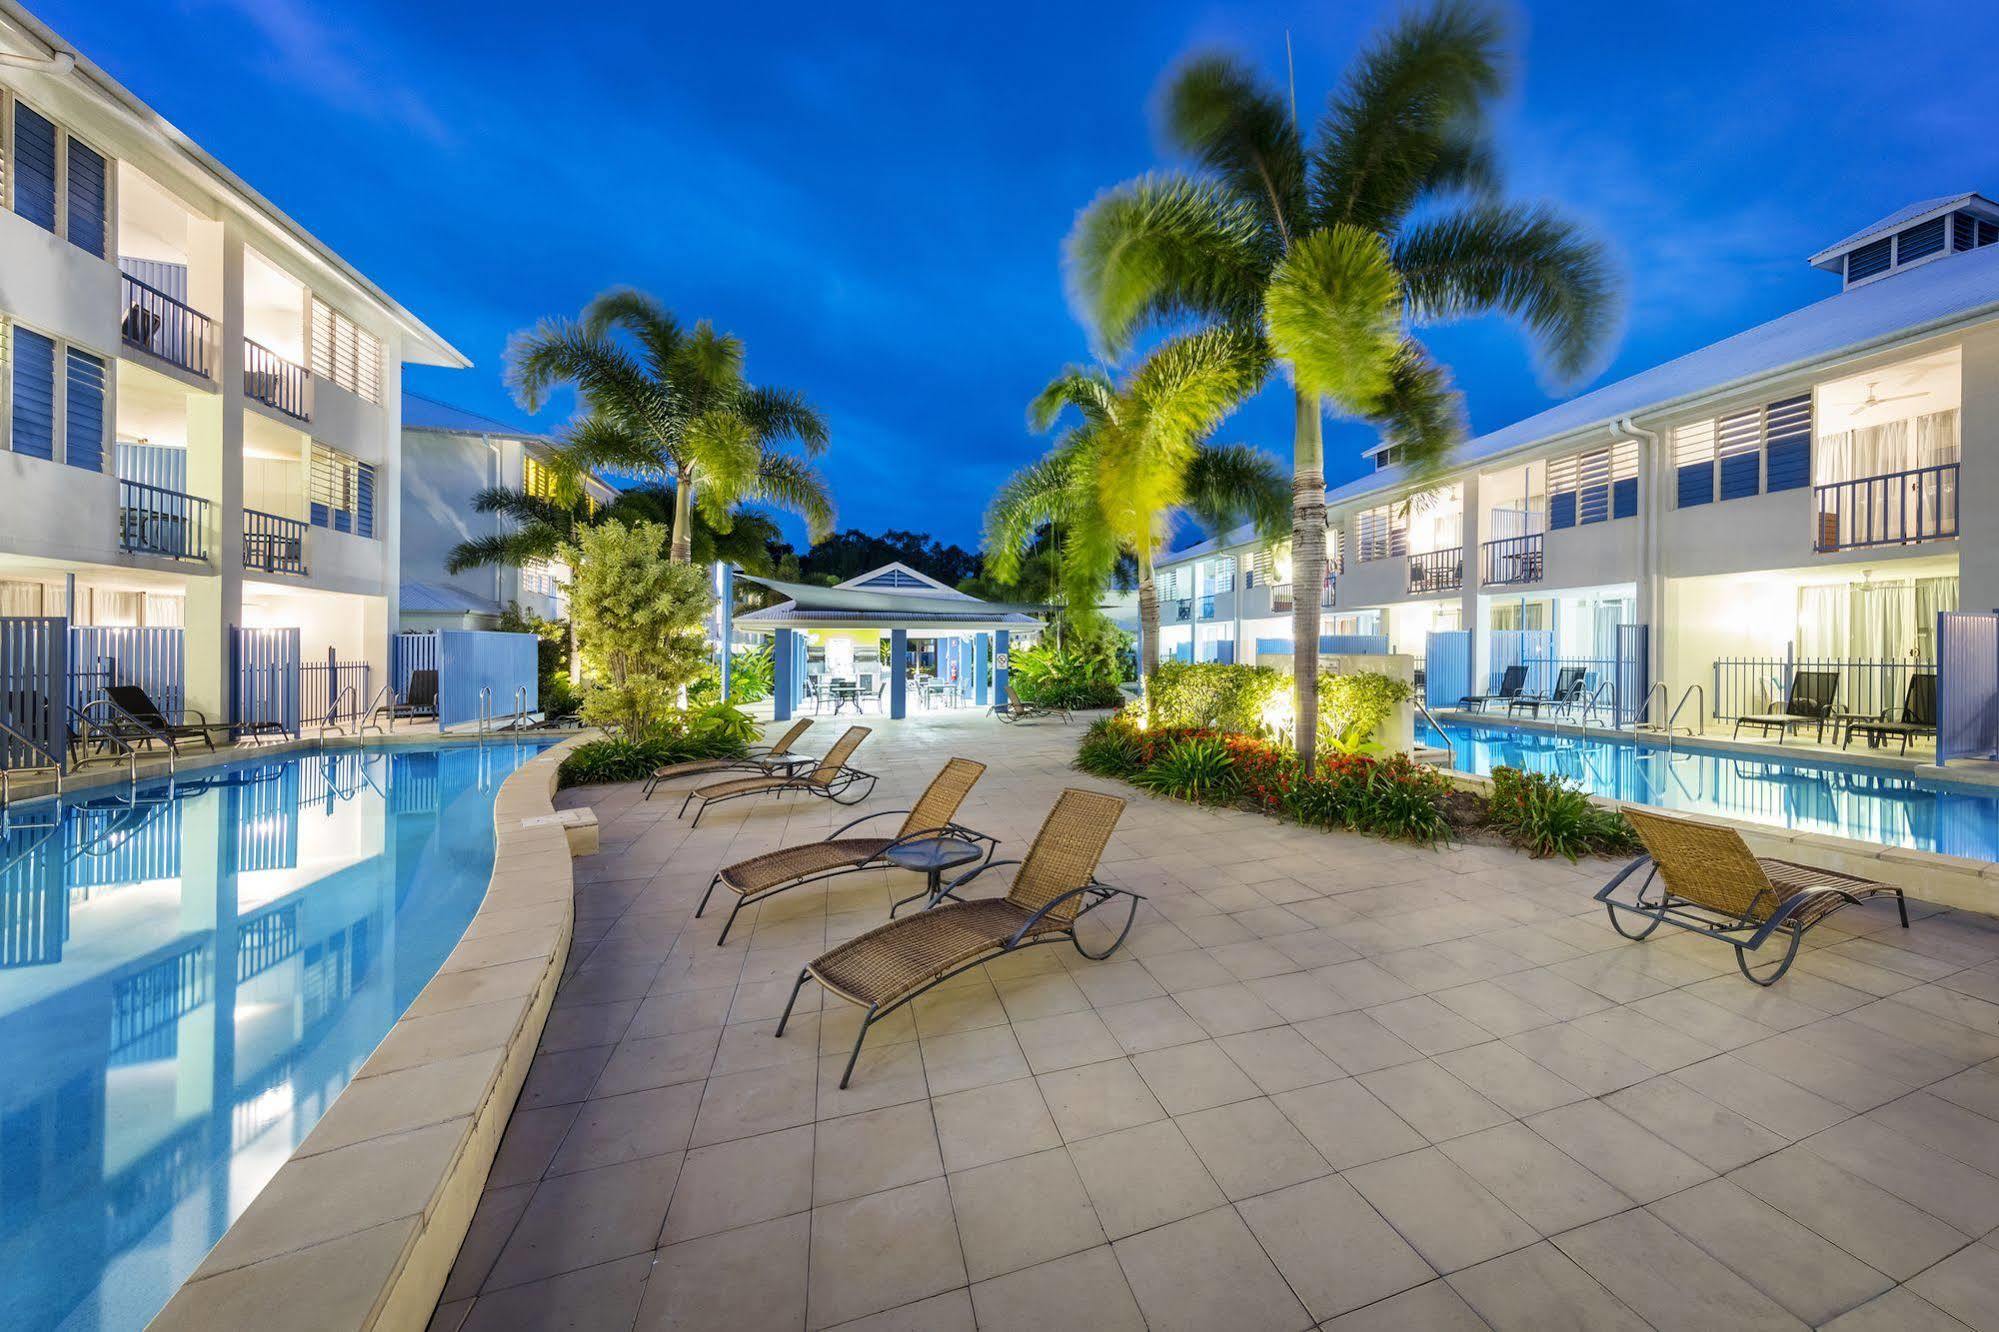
{"x": 1895, "y": 220}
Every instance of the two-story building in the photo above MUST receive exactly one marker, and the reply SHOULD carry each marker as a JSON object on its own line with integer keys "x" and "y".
{"x": 1807, "y": 490}
{"x": 200, "y": 410}
{"x": 449, "y": 456}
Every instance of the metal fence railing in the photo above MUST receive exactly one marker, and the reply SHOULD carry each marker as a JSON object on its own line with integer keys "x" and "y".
{"x": 1898, "y": 509}
{"x": 334, "y": 691}
{"x": 170, "y": 329}
{"x": 1437, "y": 570}
{"x": 1510, "y": 560}
{"x": 153, "y": 520}
{"x": 1746, "y": 686}
{"x": 276, "y": 382}
{"x": 272, "y": 544}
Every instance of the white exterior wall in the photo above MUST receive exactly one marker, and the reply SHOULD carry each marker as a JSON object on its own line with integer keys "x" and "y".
{"x": 441, "y": 472}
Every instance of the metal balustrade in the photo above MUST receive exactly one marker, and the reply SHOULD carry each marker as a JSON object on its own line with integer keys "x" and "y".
{"x": 162, "y": 326}
{"x": 272, "y": 544}
{"x": 153, "y": 520}
{"x": 1511, "y": 560}
{"x": 276, "y": 382}
{"x": 1896, "y": 509}
{"x": 1437, "y": 570}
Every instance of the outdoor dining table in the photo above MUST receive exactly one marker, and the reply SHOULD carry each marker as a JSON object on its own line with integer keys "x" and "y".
{"x": 843, "y": 692}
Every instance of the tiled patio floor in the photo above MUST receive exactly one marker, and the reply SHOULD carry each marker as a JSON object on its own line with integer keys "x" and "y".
{"x": 1330, "y": 1080}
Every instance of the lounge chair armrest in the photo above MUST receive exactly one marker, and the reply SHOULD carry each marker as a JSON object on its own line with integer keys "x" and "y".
{"x": 1603, "y": 893}
{"x": 1092, "y": 886}
{"x": 1792, "y": 905}
{"x": 972, "y": 874}
{"x": 855, "y": 823}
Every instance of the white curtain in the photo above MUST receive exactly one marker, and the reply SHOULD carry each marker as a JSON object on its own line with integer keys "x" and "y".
{"x": 1933, "y": 596}
{"x": 1883, "y": 621}
{"x": 1890, "y": 447}
{"x": 20, "y": 598}
{"x": 1823, "y": 621}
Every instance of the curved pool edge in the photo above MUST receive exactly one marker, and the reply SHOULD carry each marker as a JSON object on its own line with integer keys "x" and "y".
{"x": 1958, "y": 882}
{"x": 360, "y": 1226}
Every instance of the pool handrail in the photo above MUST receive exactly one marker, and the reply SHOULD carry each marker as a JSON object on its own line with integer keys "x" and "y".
{"x": 383, "y": 699}
{"x": 1435, "y": 725}
{"x": 52, "y": 765}
{"x": 1700, "y": 713}
{"x": 331, "y": 721}
{"x": 88, "y": 729}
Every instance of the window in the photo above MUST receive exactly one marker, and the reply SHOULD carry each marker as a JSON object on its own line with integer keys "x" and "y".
{"x": 341, "y": 492}
{"x": 55, "y": 400}
{"x": 1593, "y": 486}
{"x": 1381, "y": 533}
{"x": 86, "y": 187}
{"x": 34, "y": 167}
{"x": 343, "y": 353}
{"x": 1744, "y": 453}
{"x": 83, "y": 412}
{"x": 72, "y": 200}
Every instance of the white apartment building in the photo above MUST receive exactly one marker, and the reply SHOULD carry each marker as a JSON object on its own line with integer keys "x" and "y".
{"x": 449, "y": 456}
{"x": 1814, "y": 488}
{"x": 200, "y": 408}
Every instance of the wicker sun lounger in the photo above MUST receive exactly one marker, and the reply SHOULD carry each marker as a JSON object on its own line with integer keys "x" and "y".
{"x": 1810, "y": 702}
{"x": 829, "y": 778}
{"x": 776, "y": 758}
{"x": 933, "y": 816}
{"x": 1708, "y": 882}
{"x": 1511, "y": 682}
{"x": 1054, "y": 888}
{"x": 1017, "y": 710}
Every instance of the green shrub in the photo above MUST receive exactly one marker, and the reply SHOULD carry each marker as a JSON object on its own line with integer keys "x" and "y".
{"x": 1201, "y": 694}
{"x": 1404, "y": 800}
{"x": 752, "y": 674}
{"x": 1198, "y": 768}
{"x": 1353, "y": 706}
{"x": 1111, "y": 748}
{"x": 1082, "y": 673}
{"x": 715, "y": 731}
{"x": 1547, "y": 816}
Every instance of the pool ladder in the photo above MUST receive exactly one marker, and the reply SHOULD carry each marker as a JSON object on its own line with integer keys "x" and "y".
{"x": 51, "y": 764}
{"x": 1671, "y": 726}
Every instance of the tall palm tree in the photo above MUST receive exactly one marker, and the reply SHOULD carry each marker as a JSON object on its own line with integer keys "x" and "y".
{"x": 660, "y": 400}
{"x": 1319, "y": 248}
{"x": 1139, "y": 453}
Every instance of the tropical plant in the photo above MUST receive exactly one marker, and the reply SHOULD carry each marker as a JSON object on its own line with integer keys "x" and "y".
{"x": 1231, "y": 698}
{"x": 1198, "y": 768}
{"x": 1140, "y": 452}
{"x": 1111, "y": 748}
{"x": 661, "y": 400}
{"x": 1081, "y": 673}
{"x": 752, "y": 675}
{"x": 640, "y": 621}
{"x": 1355, "y": 706}
{"x": 1325, "y": 252}
{"x": 673, "y": 737}
{"x": 1547, "y": 816}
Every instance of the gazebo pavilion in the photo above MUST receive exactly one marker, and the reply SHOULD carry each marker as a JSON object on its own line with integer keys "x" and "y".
{"x": 947, "y": 648}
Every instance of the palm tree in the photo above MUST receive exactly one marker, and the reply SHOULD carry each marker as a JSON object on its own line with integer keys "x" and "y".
{"x": 1140, "y": 452}
{"x": 1317, "y": 248}
{"x": 664, "y": 401}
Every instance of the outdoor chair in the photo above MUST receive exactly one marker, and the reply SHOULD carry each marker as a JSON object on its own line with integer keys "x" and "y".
{"x": 932, "y": 817}
{"x": 1511, "y": 682}
{"x": 1017, "y": 710}
{"x": 419, "y": 699}
{"x": 1810, "y": 702}
{"x": 760, "y": 759}
{"x": 140, "y": 719}
{"x": 830, "y": 778}
{"x": 1702, "y": 878}
{"x": 1567, "y": 692}
{"x": 1918, "y": 717}
{"x": 1053, "y": 889}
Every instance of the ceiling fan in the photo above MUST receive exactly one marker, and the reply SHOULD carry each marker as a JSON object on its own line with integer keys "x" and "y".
{"x": 1875, "y": 400}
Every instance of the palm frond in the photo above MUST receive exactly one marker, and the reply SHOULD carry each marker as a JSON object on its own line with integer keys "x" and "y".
{"x": 1038, "y": 494}
{"x": 1410, "y": 117}
{"x": 1421, "y": 414}
{"x": 1086, "y": 388}
{"x": 1164, "y": 247}
{"x": 1514, "y": 260}
{"x": 795, "y": 486}
{"x": 643, "y": 317}
{"x": 604, "y": 443}
{"x": 606, "y": 376}
{"x": 1184, "y": 388}
{"x": 1219, "y": 113}
{"x": 522, "y": 507}
{"x": 1334, "y": 310}
{"x": 781, "y": 414}
{"x": 707, "y": 369}
{"x": 514, "y": 548}
{"x": 724, "y": 451}
{"x": 1229, "y": 484}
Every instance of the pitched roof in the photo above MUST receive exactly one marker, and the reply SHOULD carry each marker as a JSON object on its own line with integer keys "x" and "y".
{"x": 422, "y": 413}
{"x": 432, "y": 599}
{"x": 1943, "y": 203}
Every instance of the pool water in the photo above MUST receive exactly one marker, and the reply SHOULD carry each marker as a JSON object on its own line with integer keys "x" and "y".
{"x": 187, "y": 980}
{"x": 1843, "y": 800}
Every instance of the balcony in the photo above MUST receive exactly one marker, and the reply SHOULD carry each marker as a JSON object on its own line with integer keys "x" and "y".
{"x": 153, "y": 520}
{"x": 272, "y": 380}
{"x": 1437, "y": 571}
{"x": 1510, "y": 561}
{"x": 1208, "y": 607}
{"x": 1898, "y": 509}
{"x": 164, "y": 327}
{"x": 1183, "y": 611}
{"x": 272, "y": 544}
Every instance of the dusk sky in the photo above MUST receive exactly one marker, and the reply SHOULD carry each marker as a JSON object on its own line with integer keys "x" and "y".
{"x": 875, "y": 197}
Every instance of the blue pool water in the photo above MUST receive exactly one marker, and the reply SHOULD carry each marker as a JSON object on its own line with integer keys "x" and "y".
{"x": 188, "y": 979}
{"x": 1844, "y": 800}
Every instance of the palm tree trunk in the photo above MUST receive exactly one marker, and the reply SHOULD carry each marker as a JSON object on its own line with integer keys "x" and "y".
{"x": 1308, "y": 570}
{"x": 682, "y": 551}
{"x": 1148, "y": 628}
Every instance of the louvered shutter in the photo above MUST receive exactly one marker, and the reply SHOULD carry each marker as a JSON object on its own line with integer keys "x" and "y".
{"x": 1562, "y": 482}
{"x": 34, "y": 415}
{"x": 1869, "y": 259}
{"x": 83, "y": 414}
{"x": 34, "y": 167}
{"x": 1737, "y": 446}
{"x": 1693, "y": 463}
{"x": 1593, "y": 486}
{"x": 87, "y": 196}
{"x": 1920, "y": 242}
{"x": 364, "y": 500}
{"x": 1788, "y": 444}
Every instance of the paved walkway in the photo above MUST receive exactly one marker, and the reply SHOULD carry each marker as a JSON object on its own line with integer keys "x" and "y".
{"x": 1330, "y": 1080}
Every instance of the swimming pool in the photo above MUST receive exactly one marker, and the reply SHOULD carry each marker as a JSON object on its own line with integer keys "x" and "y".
{"x": 189, "y": 978}
{"x": 1844, "y": 800}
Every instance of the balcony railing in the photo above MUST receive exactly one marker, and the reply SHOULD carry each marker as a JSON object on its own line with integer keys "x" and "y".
{"x": 272, "y": 544}
{"x": 161, "y": 326}
{"x": 1510, "y": 560}
{"x": 153, "y": 520}
{"x": 1208, "y": 607}
{"x": 272, "y": 380}
{"x": 1899, "y": 509}
{"x": 1183, "y": 610}
{"x": 1437, "y": 570}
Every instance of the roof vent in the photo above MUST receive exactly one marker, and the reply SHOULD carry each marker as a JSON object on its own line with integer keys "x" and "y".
{"x": 1913, "y": 235}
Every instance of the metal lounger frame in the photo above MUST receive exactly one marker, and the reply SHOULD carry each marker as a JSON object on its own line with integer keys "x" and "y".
{"x": 834, "y": 788}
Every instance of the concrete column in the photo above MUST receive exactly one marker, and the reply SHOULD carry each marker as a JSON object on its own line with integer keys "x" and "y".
{"x": 725, "y": 615}
{"x": 785, "y": 659}
{"x": 981, "y": 645}
{"x": 1978, "y": 475}
{"x": 215, "y": 466}
{"x": 1000, "y": 667}
{"x": 1473, "y": 528}
{"x": 381, "y": 620}
{"x": 898, "y": 678}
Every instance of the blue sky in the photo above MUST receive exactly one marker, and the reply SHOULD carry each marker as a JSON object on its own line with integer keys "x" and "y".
{"x": 875, "y": 197}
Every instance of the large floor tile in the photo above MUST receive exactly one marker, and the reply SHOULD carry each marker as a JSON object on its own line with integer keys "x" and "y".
{"x": 1085, "y": 1289}
{"x": 1018, "y": 1213}
{"x": 753, "y": 1277}
{"x": 1332, "y": 1246}
{"x": 1143, "y": 1177}
{"x": 1450, "y": 1218}
{"x": 1815, "y": 1280}
{"x": 1667, "y": 1280}
{"x": 1208, "y": 1272}
{"x": 588, "y": 1218}
{"x": 881, "y": 1251}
